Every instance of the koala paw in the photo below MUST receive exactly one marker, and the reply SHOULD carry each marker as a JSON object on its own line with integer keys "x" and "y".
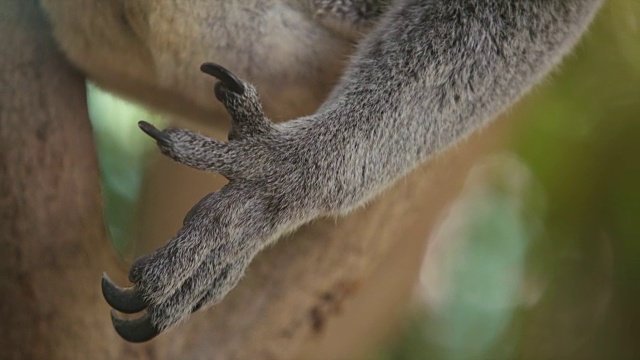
{"x": 224, "y": 230}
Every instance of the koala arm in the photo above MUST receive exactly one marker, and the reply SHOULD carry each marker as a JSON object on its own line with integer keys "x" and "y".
{"x": 431, "y": 73}
{"x": 427, "y": 75}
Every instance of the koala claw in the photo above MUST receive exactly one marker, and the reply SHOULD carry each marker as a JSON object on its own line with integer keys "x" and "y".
{"x": 152, "y": 131}
{"x": 126, "y": 300}
{"x": 225, "y": 76}
{"x": 134, "y": 330}
{"x": 222, "y": 232}
{"x": 245, "y": 108}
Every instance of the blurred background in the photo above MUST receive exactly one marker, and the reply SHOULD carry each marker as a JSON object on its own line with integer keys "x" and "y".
{"x": 539, "y": 256}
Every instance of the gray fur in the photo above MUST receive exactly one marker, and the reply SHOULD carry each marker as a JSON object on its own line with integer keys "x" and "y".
{"x": 350, "y": 18}
{"x": 426, "y": 76}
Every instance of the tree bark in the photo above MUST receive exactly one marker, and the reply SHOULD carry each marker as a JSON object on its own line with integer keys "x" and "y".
{"x": 52, "y": 245}
{"x": 295, "y": 297}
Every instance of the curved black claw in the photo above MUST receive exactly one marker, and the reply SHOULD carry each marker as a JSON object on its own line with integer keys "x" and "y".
{"x": 126, "y": 300}
{"x": 134, "y": 330}
{"x": 227, "y": 78}
{"x": 152, "y": 131}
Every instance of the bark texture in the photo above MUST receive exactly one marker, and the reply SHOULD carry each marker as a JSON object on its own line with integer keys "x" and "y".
{"x": 51, "y": 239}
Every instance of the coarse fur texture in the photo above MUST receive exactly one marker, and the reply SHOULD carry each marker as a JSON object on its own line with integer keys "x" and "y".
{"x": 150, "y": 50}
{"x": 426, "y": 76}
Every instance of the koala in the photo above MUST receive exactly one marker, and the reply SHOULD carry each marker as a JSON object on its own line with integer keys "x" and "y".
{"x": 426, "y": 74}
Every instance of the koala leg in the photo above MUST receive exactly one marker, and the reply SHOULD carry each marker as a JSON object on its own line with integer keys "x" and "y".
{"x": 414, "y": 88}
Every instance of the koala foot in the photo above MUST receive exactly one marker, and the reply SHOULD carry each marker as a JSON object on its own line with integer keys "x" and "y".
{"x": 224, "y": 230}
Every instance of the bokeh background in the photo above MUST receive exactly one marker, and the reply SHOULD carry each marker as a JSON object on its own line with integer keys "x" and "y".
{"x": 539, "y": 256}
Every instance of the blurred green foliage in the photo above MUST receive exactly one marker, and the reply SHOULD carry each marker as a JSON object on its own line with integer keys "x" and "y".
{"x": 122, "y": 150}
{"x": 579, "y": 137}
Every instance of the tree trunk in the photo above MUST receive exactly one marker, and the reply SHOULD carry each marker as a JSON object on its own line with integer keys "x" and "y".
{"x": 52, "y": 246}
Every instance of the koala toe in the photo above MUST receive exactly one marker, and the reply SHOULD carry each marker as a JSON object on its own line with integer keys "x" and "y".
{"x": 242, "y": 102}
{"x": 226, "y": 77}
